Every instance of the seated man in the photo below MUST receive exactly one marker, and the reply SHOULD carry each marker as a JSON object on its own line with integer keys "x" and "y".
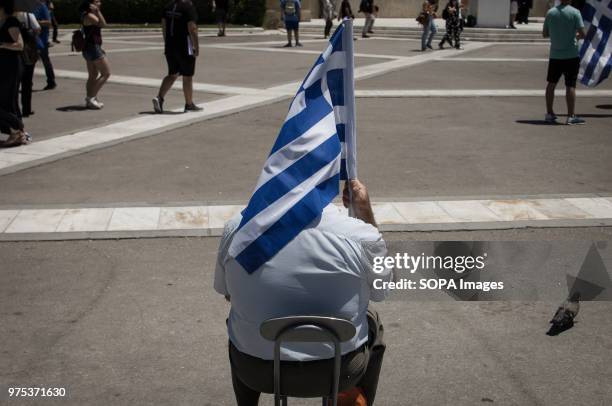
{"x": 325, "y": 270}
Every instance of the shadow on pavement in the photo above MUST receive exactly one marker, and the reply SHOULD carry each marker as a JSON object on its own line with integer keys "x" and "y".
{"x": 536, "y": 122}
{"x": 604, "y": 106}
{"x": 77, "y": 107}
{"x": 170, "y": 113}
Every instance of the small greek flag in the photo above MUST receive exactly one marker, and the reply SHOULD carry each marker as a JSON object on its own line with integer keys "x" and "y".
{"x": 595, "y": 50}
{"x": 313, "y": 152}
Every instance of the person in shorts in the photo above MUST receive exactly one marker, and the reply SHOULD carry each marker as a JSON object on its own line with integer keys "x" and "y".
{"x": 291, "y": 11}
{"x": 564, "y": 26}
{"x": 98, "y": 68}
{"x": 181, "y": 47}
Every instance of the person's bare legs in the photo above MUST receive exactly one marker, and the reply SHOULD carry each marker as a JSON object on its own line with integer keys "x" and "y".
{"x": 188, "y": 89}
{"x": 166, "y": 85}
{"x": 570, "y": 98}
{"x": 289, "y": 37}
{"x": 103, "y": 67}
{"x": 550, "y": 97}
{"x": 297, "y": 37}
{"x": 92, "y": 72}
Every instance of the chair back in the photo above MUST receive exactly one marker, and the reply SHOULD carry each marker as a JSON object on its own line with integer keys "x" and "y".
{"x": 312, "y": 329}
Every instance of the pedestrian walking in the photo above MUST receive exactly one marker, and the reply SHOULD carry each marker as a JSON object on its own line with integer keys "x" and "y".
{"x": 291, "y": 13}
{"x": 44, "y": 19}
{"x": 11, "y": 47}
{"x": 221, "y": 9}
{"x": 51, "y": 8}
{"x": 453, "y": 25}
{"x": 524, "y": 6}
{"x": 98, "y": 67}
{"x": 181, "y": 47}
{"x": 367, "y": 8}
{"x": 328, "y": 8}
{"x": 563, "y": 25}
{"x": 427, "y": 20}
{"x": 30, "y": 29}
{"x": 513, "y": 13}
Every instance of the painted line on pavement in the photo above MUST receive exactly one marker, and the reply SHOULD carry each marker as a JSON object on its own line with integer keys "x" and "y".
{"x": 473, "y": 93}
{"x": 154, "y": 83}
{"x": 200, "y": 220}
{"x": 464, "y": 59}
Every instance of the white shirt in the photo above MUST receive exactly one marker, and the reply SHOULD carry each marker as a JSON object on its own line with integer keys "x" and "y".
{"x": 28, "y": 20}
{"x": 325, "y": 270}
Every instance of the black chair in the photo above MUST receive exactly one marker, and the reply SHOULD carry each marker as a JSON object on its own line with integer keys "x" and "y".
{"x": 312, "y": 329}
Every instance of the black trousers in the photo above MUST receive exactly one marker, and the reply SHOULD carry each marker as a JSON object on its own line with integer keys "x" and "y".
{"x": 523, "y": 14}
{"x": 26, "y": 89}
{"x": 251, "y": 376}
{"x": 44, "y": 57}
{"x": 9, "y": 90}
{"x": 328, "y": 26}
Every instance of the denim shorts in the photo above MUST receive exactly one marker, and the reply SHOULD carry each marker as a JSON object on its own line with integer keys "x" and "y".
{"x": 93, "y": 52}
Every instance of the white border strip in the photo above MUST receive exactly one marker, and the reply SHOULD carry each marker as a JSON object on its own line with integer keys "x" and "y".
{"x": 135, "y": 222}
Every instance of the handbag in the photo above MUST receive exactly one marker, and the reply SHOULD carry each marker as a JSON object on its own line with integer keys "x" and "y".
{"x": 29, "y": 55}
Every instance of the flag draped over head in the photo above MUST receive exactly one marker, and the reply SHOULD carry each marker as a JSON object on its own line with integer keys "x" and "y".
{"x": 596, "y": 49}
{"x": 314, "y": 150}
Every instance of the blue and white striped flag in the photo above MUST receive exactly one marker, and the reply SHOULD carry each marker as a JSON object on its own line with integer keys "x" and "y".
{"x": 313, "y": 152}
{"x": 596, "y": 49}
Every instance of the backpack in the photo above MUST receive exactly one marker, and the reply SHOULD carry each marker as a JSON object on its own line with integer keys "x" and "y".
{"x": 78, "y": 41}
{"x": 29, "y": 55}
{"x": 290, "y": 8}
{"x": 78, "y": 37}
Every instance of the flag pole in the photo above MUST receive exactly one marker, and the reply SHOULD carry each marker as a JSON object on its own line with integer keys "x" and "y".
{"x": 349, "y": 103}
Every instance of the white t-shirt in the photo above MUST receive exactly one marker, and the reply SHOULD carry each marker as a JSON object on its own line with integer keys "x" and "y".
{"x": 28, "y": 20}
{"x": 325, "y": 270}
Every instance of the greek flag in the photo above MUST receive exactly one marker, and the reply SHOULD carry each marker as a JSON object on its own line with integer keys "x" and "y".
{"x": 595, "y": 50}
{"x": 314, "y": 150}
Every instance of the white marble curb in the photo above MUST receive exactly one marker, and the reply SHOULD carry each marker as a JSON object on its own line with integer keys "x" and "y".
{"x": 137, "y": 222}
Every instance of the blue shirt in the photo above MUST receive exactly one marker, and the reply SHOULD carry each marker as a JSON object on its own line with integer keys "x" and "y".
{"x": 42, "y": 13}
{"x": 327, "y": 270}
{"x": 291, "y": 17}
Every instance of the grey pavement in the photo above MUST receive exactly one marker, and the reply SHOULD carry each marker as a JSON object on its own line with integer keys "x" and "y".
{"x": 407, "y": 148}
{"x": 136, "y": 321}
{"x": 62, "y": 110}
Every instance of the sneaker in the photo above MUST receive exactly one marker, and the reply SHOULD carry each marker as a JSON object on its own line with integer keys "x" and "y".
{"x": 299, "y": 44}
{"x": 575, "y": 120}
{"x": 158, "y": 105}
{"x": 98, "y": 101}
{"x": 50, "y": 86}
{"x": 192, "y": 107}
{"x": 92, "y": 104}
{"x": 550, "y": 118}
{"x": 441, "y": 45}
{"x": 27, "y": 138}
{"x": 365, "y": 36}
{"x": 287, "y": 45}
{"x": 57, "y": 41}
{"x": 430, "y": 47}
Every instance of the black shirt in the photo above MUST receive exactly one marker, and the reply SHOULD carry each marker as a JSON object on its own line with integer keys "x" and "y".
{"x": 5, "y": 36}
{"x": 222, "y": 4}
{"x": 177, "y": 15}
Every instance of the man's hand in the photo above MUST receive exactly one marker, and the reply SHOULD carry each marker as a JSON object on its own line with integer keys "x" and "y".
{"x": 361, "y": 200}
